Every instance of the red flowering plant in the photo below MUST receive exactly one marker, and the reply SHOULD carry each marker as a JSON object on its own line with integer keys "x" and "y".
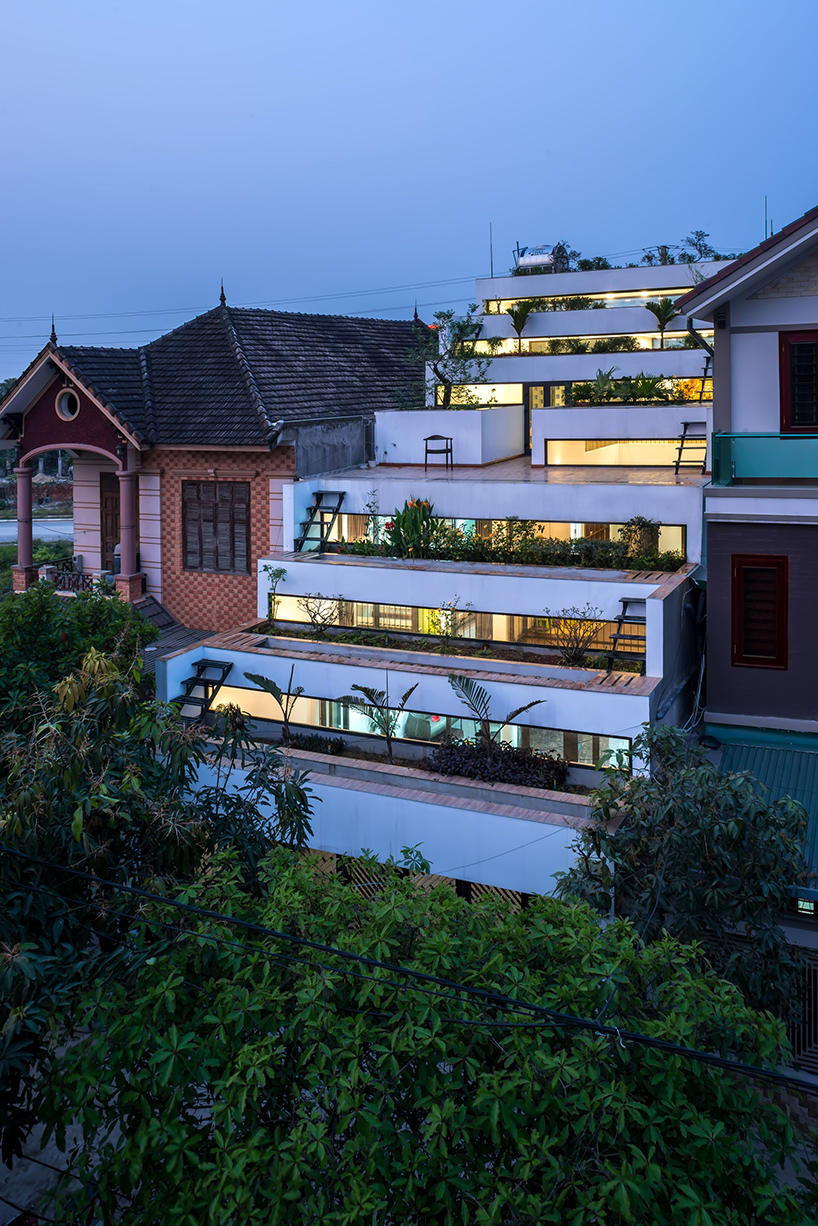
{"x": 414, "y": 531}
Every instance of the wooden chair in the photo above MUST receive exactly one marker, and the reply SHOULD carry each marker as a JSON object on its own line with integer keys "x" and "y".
{"x": 445, "y": 451}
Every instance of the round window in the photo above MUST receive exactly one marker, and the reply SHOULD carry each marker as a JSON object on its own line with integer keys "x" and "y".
{"x": 68, "y": 405}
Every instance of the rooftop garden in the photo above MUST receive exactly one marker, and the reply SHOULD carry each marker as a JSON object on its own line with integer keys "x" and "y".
{"x": 416, "y": 533}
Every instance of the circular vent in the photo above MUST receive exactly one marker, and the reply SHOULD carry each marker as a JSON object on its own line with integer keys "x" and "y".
{"x": 68, "y": 404}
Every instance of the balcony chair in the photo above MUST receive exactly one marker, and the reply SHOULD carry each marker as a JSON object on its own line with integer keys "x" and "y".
{"x": 445, "y": 451}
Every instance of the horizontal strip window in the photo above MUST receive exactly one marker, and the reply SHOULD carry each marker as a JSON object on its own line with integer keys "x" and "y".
{"x": 583, "y": 302}
{"x": 591, "y": 343}
{"x": 481, "y": 395}
{"x": 429, "y": 728}
{"x": 468, "y": 624}
{"x": 672, "y": 537}
{"x": 614, "y": 452}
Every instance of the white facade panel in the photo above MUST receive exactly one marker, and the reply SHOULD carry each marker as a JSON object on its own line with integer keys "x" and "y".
{"x": 571, "y": 367}
{"x": 755, "y": 392}
{"x": 150, "y": 532}
{"x": 617, "y": 421}
{"x": 498, "y": 589}
{"x": 511, "y": 853}
{"x": 479, "y": 436}
{"x": 780, "y": 312}
{"x": 601, "y": 281}
{"x": 607, "y": 321}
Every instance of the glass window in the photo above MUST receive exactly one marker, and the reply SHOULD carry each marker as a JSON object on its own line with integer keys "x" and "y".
{"x": 799, "y": 381}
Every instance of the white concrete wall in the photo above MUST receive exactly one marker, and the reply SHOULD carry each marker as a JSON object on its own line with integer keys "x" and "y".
{"x": 586, "y": 500}
{"x": 755, "y": 388}
{"x": 593, "y": 710}
{"x": 492, "y": 589}
{"x": 569, "y": 367}
{"x": 793, "y": 313}
{"x": 601, "y": 281}
{"x": 479, "y": 436}
{"x": 512, "y": 853}
{"x": 87, "y": 511}
{"x": 617, "y": 421}
{"x": 150, "y": 531}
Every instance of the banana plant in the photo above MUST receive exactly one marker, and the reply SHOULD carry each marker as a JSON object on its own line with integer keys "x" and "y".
{"x": 286, "y": 699}
{"x": 665, "y": 311}
{"x": 375, "y": 706}
{"x": 477, "y": 701}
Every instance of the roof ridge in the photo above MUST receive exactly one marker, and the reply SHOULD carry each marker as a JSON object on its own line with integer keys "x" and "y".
{"x": 147, "y": 394}
{"x": 369, "y": 319}
{"x": 246, "y": 372}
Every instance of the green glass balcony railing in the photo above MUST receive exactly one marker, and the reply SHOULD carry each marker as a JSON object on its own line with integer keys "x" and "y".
{"x": 745, "y": 458}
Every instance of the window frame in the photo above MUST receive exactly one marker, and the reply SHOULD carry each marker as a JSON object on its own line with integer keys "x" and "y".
{"x": 785, "y": 339}
{"x": 739, "y": 562}
{"x": 187, "y": 503}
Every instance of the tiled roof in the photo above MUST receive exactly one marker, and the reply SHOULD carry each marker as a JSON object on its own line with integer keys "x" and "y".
{"x": 785, "y": 772}
{"x": 226, "y": 377}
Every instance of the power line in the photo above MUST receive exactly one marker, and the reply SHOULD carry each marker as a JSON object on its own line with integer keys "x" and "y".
{"x": 496, "y": 999}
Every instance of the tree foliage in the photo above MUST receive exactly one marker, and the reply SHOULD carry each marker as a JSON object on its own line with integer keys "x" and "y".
{"x": 701, "y": 855}
{"x": 107, "y": 783}
{"x": 448, "y": 349}
{"x": 43, "y": 637}
{"x": 216, "y": 1079}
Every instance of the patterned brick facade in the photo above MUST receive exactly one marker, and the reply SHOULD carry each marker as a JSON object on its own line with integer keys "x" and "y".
{"x": 214, "y": 601}
{"x": 799, "y": 282}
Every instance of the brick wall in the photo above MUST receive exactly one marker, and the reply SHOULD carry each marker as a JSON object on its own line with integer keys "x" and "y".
{"x": 209, "y": 601}
{"x": 800, "y": 282}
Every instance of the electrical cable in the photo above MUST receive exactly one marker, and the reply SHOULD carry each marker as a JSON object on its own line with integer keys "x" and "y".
{"x": 496, "y": 999}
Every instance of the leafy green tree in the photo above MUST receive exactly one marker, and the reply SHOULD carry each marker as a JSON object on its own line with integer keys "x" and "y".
{"x": 375, "y": 705}
{"x": 227, "y": 1076}
{"x": 43, "y": 637}
{"x": 703, "y": 856}
{"x": 108, "y": 783}
{"x": 449, "y": 350}
{"x": 664, "y": 310}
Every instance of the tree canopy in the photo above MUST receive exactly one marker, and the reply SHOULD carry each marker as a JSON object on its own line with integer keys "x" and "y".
{"x": 699, "y": 854}
{"x": 227, "y": 1075}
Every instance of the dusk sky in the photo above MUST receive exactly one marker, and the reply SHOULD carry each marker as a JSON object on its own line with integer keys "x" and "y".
{"x": 349, "y": 157}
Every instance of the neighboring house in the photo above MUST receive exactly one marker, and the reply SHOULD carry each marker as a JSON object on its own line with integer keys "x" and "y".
{"x": 180, "y": 448}
{"x": 761, "y": 514}
{"x": 526, "y": 453}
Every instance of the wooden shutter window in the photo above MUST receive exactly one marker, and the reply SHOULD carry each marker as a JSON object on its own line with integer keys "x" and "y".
{"x": 216, "y": 526}
{"x": 798, "y": 370}
{"x": 760, "y": 586}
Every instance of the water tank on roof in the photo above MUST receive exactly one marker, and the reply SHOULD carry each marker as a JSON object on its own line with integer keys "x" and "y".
{"x": 535, "y": 257}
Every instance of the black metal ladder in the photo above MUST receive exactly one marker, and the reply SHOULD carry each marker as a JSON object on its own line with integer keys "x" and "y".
{"x": 201, "y": 690}
{"x": 692, "y": 451}
{"x": 321, "y": 516}
{"x": 625, "y": 617}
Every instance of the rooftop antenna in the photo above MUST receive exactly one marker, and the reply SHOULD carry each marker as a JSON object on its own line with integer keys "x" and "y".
{"x": 765, "y": 216}
{"x": 222, "y": 298}
{"x": 416, "y": 318}
{"x": 53, "y": 336}
{"x": 491, "y": 249}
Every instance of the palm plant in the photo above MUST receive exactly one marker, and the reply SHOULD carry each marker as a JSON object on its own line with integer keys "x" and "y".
{"x": 665, "y": 311}
{"x": 518, "y": 315}
{"x": 286, "y": 699}
{"x": 375, "y": 706}
{"x": 477, "y": 701}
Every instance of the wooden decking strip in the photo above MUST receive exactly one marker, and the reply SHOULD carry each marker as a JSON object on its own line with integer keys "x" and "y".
{"x": 614, "y": 682}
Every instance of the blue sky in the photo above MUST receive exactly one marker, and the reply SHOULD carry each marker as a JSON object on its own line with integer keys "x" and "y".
{"x": 315, "y": 154}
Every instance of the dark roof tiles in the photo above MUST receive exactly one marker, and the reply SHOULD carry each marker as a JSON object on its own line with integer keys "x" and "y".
{"x": 225, "y": 377}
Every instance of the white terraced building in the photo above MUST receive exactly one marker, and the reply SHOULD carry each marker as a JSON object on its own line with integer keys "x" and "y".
{"x": 522, "y": 451}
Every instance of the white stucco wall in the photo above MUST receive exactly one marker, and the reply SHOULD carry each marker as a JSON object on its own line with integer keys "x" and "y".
{"x": 150, "y": 531}
{"x": 616, "y": 421}
{"x": 479, "y": 436}
{"x": 548, "y": 368}
{"x": 513, "y": 853}
{"x": 755, "y": 388}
